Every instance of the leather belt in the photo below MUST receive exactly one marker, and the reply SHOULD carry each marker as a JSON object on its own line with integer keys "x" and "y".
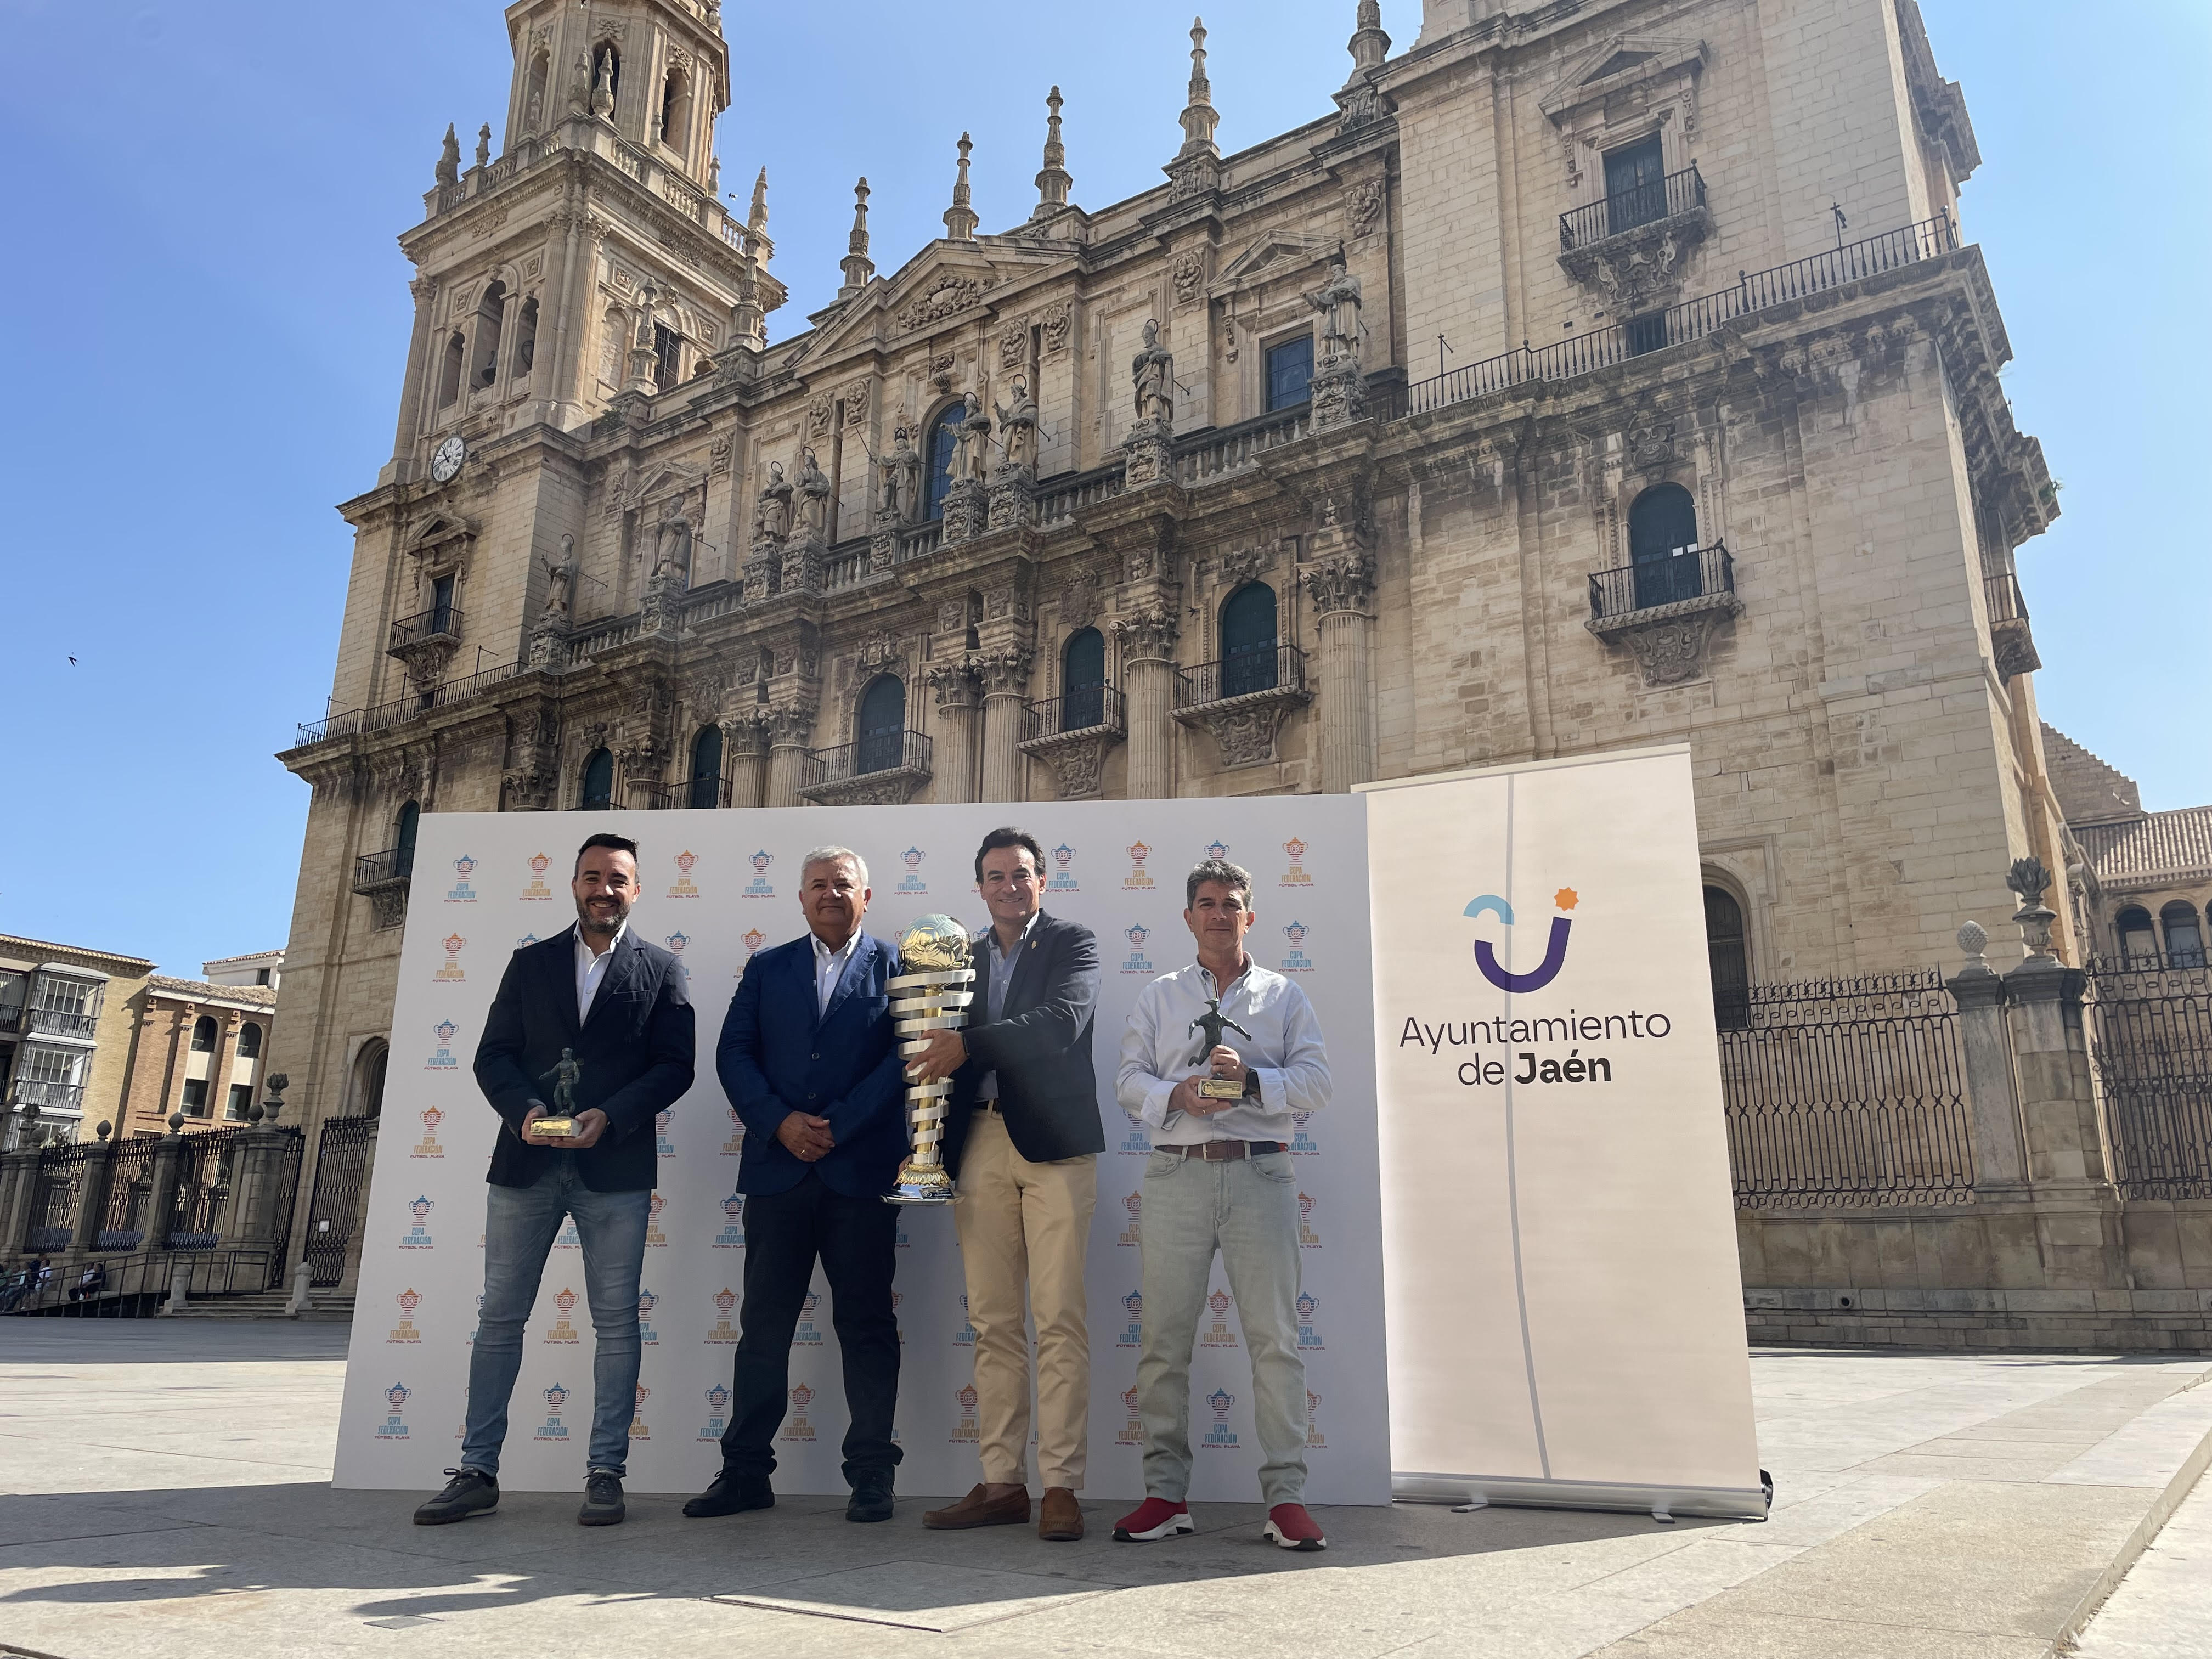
{"x": 1217, "y": 1150}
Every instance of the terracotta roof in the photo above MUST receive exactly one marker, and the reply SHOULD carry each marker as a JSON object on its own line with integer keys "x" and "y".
{"x": 198, "y": 990}
{"x": 2158, "y": 847}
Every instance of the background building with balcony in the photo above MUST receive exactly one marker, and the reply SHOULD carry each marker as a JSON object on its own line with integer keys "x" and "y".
{"x": 66, "y": 1026}
{"x": 1577, "y": 378}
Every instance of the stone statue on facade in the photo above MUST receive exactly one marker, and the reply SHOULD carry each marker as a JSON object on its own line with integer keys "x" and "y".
{"x": 560, "y": 585}
{"x": 1338, "y": 301}
{"x": 772, "y": 510}
{"x": 814, "y": 495}
{"x": 1153, "y": 372}
{"x": 1018, "y": 426}
{"x": 671, "y": 552}
{"x": 902, "y": 478}
{"x": 975, "y": 434}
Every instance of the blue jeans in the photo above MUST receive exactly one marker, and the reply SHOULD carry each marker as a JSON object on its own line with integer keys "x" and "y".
{"x": 519, "y": 1225}
{"x": 1248, "y": 1208}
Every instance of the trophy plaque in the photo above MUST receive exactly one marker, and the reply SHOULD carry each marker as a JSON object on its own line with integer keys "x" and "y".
{"x": 931, "y": 995}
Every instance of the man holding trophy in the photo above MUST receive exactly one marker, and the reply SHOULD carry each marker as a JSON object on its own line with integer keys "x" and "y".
{"x": 807, "y": 1060}
{"x": 1220, "y": 1178}
{"x": 1022, "y": 1138}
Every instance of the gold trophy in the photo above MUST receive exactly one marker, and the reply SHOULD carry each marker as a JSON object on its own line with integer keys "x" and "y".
{"x": 930, "y": 995}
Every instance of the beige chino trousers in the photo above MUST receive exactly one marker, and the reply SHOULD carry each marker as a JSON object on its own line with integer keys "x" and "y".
{"x": 1025, "y": 1227}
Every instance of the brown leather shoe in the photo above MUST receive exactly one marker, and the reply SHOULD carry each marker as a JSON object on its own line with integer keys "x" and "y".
{"x": 976, "y": 1509}
{"x": 1060, "y": 1518}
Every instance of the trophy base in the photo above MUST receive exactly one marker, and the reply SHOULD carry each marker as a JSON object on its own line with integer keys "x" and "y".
{"x": 921, "y": 1183}
{"x": 556, "y": 1126}
{"x": 1220, "y": 1088}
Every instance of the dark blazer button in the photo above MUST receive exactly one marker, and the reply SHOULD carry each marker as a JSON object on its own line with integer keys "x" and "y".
{"x": 814, "y": 1056}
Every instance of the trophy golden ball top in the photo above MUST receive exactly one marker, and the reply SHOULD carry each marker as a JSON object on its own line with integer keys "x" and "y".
{"x": 934, "y": 944}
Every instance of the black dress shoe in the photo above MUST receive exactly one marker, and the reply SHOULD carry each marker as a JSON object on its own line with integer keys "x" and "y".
{"x": 471, "y": 1491}
{"x": 733, "y": 1490}
{"x": 871, "y": 1499}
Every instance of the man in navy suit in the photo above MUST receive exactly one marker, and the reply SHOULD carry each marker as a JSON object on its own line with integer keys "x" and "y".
{"x": 602, "y": 1015}
{"x": 809, "y": 1058}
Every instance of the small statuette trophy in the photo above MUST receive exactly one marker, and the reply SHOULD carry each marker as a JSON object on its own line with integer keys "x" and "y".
{"x": 930, "y": 995}
{"x": 1210, "y": 1026}
{"x": 561, "y": 1120}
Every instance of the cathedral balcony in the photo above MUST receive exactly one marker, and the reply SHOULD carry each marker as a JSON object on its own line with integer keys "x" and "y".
{"x": 1241, "y": 700}
{"x": 2012, "y": 646}
{"x": 1664, "y": 609}
{"x": 383, "y": 879}
{"x": 440, "y": 625}
{"x": 693, "y": 794}
{"x": 884, "y": 769}
{"x": 1071, "y": 732}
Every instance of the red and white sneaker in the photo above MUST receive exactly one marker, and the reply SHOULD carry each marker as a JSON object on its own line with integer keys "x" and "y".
{"x": 1291, "y": 1527}
{"x": 1154, "y": 1518}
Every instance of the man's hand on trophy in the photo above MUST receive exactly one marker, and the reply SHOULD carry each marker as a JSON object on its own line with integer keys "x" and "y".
{"x": 1187, "y": 1098}
{"x": 805, "y": 1136}
{"x": 1224, "y": 1061}
{"x": 946, "y": 1054}
{"x": 589, "y": 1126}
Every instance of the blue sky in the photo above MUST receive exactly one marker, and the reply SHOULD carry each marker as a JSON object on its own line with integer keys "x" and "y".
{"x": 208, "y": 312}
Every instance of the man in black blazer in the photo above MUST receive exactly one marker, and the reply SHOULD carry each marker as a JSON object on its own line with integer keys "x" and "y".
{"x": 592, "y": 1024}
{"x": 1022, "y": 1142}
{"x": 809, "y": 1058}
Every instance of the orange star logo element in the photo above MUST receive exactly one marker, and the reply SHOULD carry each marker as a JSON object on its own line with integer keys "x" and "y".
{"x": 1565, "y": 898}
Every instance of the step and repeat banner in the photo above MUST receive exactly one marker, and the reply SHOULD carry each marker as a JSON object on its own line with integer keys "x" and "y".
{"x": 720, "y": 885}
{"x": 1564, "y": 1303}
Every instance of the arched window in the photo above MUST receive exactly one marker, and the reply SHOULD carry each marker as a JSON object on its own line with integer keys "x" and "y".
{"x": 598, "y": 792}
{"x": 491, "y": 315}
{"x": 2184, "y": 935}
{"x": 1083, "y": 681}
{"x": 525, "y": 339}
{"x": 707, "y": 768}
{"x": 249, "y": 1041}
{"x": 403, "y": 858}
{"x": 938, "y": 452}
{"x": 881, "y": 727}
{"x": 2138, "y": 940}
{"x": 1662, "y": 545}
{"x": 203, "y": 1035}
{"x": 676, "y": 111}
{"x": 449, "y": 376}
{"x": 368, "y": 1069}
{"x": 1729, "y": 952}
{"x": 533, "y": 105}
{"x": 1247, "y": 641}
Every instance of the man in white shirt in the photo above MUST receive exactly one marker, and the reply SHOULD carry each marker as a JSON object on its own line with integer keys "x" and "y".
{"x": 1220, "y": 1178}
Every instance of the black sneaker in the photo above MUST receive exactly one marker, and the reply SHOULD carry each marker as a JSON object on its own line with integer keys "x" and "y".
{"x": 871, "y": 1499}
{"x": 603, "y": 1500}
{"x": 733, "y": 1490}
{"x": 469, "y": 1492}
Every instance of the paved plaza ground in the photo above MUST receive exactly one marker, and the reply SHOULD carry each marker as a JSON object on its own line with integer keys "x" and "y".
{"x": 164, "y": 1495}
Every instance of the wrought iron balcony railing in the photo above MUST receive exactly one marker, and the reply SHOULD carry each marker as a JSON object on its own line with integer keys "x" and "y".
{"x": 1690, "y": 573}
{"x": 48, "y": 1096}
{"x": 883, "y": 751}
{"x": 1663, "y": 198}
{"x": 62, "y": 1023}
{"x": 375, "y": 870}
{"x": 1242, "y": 674}
{"x": 2002, "y": 591}
{"x": 440, "y": 623}
{"x": 1078, "y": 709}
{"x": 691, "y": 794}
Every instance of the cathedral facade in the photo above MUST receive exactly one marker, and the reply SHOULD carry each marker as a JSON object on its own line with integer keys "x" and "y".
{"x": 1596, "y": 375}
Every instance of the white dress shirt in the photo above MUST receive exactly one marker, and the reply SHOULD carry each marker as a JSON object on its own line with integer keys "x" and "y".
{"x": 1160, "y": 1050}
{"x": 829, "y": 968}
{"x": 590, "y": 969}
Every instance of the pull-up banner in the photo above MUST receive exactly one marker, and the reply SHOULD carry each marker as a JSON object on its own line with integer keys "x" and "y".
{"x": 1561, "y": 1291}
{"x": 1522, "y": 1167}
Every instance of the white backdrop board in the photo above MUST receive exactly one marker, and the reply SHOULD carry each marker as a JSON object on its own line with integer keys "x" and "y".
{"x": 718, "y": 885}
{"x": 1563, "y": 1300}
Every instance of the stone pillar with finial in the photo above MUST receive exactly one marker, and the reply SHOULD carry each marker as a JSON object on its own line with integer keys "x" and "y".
{"x": 1054, "y": 181}
{"x": 171, "y": 1157}
{"x": 483, "y": 145}
{"x": 643, "y": 361}
{"x": 1361, "y": 100}
{"x": 960, "y": 219}
{"x": 858, "y": 267}
{"x": 92, "y": 1202}
{"x": 749, "y": 317}
{"x": 261, "y": 1198}
{"x": 1992, "y": 1095}
{"x": 1196, "y": 169}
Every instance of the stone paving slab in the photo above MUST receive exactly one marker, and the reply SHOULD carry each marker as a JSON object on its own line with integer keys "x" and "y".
{"x": 166, "y": 1497}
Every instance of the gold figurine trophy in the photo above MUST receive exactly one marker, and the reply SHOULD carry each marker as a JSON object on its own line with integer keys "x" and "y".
{"x": 930, "y": 995}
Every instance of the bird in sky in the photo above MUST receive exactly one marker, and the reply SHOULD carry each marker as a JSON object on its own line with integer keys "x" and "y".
{"x": 72, "y": 662}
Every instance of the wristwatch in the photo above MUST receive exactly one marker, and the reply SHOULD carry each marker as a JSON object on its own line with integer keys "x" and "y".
{"x": 1251, "y": 1084}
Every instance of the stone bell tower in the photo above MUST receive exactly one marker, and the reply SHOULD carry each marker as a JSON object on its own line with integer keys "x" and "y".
{"x": 657, "y": 70}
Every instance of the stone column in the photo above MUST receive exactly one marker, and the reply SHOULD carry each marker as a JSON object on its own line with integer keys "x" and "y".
{"x": 18, "y": 1174}
{"x": 418, "y": 350}
{"x": 169, "y": 1171}
{"x": 1147, "y": 636}
{"x": 788, "y": 732}
{"x": 92, "y": 1203}
{"x": 578, "y": 373}
{"x": 1992, "y": 1099}
{"x": 954, "y": 758}
{"x": 257, "y": 1204}
{"x": 1341, "y": 583}
{"x": 553, "y": 306}
{"x": 745, "y": 741}
{"x": 1006, "y": 676}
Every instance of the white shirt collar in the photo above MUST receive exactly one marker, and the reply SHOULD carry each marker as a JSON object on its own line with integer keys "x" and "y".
{"x": 991, "y": 933}
{"x": 583, "y": 947}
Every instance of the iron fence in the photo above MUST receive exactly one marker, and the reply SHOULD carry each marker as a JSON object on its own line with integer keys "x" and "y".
{"x": 133, "y": 1286}
{"x": 206, "y": 1183}
{"x": 2151, "y": 1043}
{"x": 1241, "y": 674}
{"x": 1077, "y": 709}
{"x": 878, "y": 752}
{"x": 1670, "y": 197}
{"x": 1847, "y": 1091}
{"x": 342, "y": 1161}
{"x": 56, "y": 1195}
{"x": 1687, "y": 574}
{"x": 441, "y": 622}
{"x": 124, "y": 1223}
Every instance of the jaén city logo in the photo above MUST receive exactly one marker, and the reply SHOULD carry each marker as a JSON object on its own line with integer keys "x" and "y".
{"x": 1555, "y": 951}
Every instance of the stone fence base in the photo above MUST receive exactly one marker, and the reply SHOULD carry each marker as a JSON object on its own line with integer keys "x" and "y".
{"x": 2066, "y": 1321}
